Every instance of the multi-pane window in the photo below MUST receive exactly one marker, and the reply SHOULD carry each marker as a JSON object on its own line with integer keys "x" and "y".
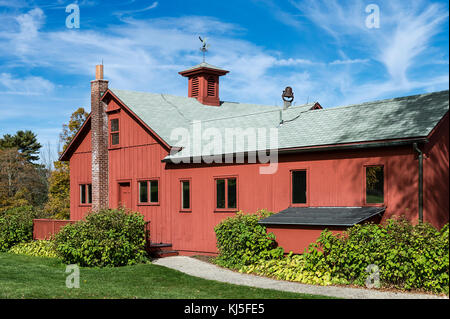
{"x": 114, "y": 132}
{"x": 148, "y": 192}
{"x": 185, "y": 195}
{"x": 375, "y": 184}
{"x": 226, "y": 193}
{"x": 85, "y": 193}
{"x": 299, "y": 187}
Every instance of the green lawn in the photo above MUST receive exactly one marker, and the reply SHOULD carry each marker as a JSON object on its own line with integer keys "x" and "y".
{"x": 40, "y": 277}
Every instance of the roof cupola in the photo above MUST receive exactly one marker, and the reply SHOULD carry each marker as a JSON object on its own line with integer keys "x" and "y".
{"x": 203, "y": 83}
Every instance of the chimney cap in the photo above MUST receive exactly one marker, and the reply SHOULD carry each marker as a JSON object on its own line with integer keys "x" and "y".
{"x": 99, "y": 72}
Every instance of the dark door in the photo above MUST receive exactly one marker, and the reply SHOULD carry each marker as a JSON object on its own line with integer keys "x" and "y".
{"x": 125, "y": 195}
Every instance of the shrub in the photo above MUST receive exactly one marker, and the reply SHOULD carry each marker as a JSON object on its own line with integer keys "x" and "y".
{"x": 16, "y": 226}
{"x": 408, "y": 256}
{"x": 104, "y": 238}
{"x": 242, "y": 241}
{"x": 38, "y": 248}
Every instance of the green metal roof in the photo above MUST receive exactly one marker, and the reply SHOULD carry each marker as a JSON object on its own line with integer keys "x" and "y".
{"x": 398, "y": 118}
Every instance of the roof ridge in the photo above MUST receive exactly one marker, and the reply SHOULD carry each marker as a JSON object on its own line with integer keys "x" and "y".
{"x": 363, "y": 104}
{"x": 239, "y": 103}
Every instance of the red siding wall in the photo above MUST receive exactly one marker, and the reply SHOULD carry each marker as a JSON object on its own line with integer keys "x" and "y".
{"x": 436, "y": 176}
{"x": 80, "y": 173}
{"x": 139, "y": 157}
{"x": 298, "y": 238}
{"x": 334, "y": 179}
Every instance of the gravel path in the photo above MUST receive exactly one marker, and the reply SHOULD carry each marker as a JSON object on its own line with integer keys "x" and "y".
{"x": 202, "y": 269}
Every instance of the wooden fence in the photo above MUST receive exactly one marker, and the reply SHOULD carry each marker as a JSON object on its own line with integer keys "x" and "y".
{"x": 45, "y": 228}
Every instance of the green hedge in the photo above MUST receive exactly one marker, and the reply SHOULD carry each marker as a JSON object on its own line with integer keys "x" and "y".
{"x": 407, "y": 256}
{"x": 242, "y": 241}
{"x": 16, "y": 226}
{"x": 38, "y": 248}
{"x": 104, "y": 238}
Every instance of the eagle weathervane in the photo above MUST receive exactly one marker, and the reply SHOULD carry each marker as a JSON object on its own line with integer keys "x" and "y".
{"x": 204, "y": 47}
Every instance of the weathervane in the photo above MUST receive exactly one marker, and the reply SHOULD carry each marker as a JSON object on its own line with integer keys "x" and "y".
{"x": 204, "y": 47}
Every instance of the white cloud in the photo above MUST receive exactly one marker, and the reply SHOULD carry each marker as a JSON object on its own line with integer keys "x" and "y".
{"x": 349, "y": 61}
{"x": 131, "y": 12}
{"x": 31, "y": 85}
{"x": 403, "y": 43}
{"x": 408, "y": 38}
{"x": 147, "y": 54}
{"x": 293, "y": 62}
{"x": 29, "y": 25}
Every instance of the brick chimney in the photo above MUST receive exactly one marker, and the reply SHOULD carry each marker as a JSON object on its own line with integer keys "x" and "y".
{"x": 99, "y": 131}
{"x": 204, "y": 83}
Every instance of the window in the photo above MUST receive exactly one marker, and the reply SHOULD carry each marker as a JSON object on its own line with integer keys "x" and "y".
{"x": 375, "y": 184}
{"x": 114, "y": 132}
{"x": 299, "y": 187}
{"x": 185, "y": 195}
{"x": 226, "y": 193}
{"x": 85, "y": 194}
{"x": 148, "y": 192}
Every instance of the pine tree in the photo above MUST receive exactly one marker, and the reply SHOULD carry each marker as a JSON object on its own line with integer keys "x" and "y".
{"x": 25, "y": 141}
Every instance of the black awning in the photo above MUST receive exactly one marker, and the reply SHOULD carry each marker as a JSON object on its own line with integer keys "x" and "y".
{"x": 322, "y": 216}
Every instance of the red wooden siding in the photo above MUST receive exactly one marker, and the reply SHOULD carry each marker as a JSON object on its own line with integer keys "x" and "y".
{"x": 436, "y": 176}
{"x": 335, "y": 179}
{"x": 138, "y": 157}
{"x": 298, "y": 238}
{"x": 80, "y": 173}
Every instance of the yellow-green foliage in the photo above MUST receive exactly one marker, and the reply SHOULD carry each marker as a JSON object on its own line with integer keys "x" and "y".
{"x": 292, "y": 268}
{"x": 38, "y": 248}
{"x": 407, "y": 256}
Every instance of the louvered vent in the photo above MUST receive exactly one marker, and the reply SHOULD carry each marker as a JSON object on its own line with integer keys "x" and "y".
{"x": 195, "y": 86}
{"x": 211, "y": 86}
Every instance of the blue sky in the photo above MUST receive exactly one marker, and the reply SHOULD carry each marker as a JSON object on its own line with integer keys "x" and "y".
{"x": 322, "y": 49}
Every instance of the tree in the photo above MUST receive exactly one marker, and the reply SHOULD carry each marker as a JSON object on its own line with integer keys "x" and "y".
{"x": 25, "y": 141}
{"x": 58, "y": 204}
{"x": 21, "y": 182}
{"x": 70, "y": 130}
{"x": 59, "y": 182}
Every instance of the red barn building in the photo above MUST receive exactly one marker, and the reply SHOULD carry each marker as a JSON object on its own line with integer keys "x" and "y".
{"x": 186, "y": 163}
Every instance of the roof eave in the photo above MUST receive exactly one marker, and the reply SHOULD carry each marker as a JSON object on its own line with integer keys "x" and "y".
{"x": 331, "y": 147}
{"x": 202, "y": 70}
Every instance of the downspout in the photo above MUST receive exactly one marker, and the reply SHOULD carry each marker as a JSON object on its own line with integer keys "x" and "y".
{"x": 420, "y": 153}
